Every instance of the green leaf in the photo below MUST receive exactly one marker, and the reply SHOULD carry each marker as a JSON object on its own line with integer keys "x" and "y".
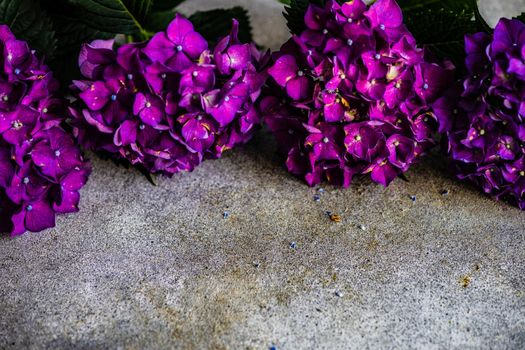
{"x": 115, "y": 16}
{"x": 521, "y": 17}
{"x": 454, "y": 5}
{"x": 70, "y": 33}
{"x": 442, "y": 31}
{"x": 29, "y": 22}
{"x": 217, "y": 23}
{"x": 441, "y": 25}
{"x": 163, "y": 5}
{"x": 158, "y": 21}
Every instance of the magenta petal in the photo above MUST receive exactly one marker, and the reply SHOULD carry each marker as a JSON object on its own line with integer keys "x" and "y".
{"x": 238, "y": 56}
{"x": 194, "y": 44}
{"x": 298, "y": 88}
{"x": 384, "y": 173}
{"x": 16, "y": 52}
{"x": 126, "y": 134}
{"x": 312, "y": 17}
{"x": 179, "y": 62}
{"x": 18, "y": 221}
{"x": 159, "y": 48}
{"x": 386, "y": 13}
{"x": 44, "y": 157}
{"x": 192, "y": 129}
{"x": 39, "y": 216}
{"x": 333, "y": 111}
{"x": 68, "y": 202}
{"x": 284, "y": 69}
{"x": 151, "y": 116}
{"x": 96, "y": 120}
{"x": 178, "y": 28}
{"x": 96, "y": 96}
{"x": 75, "y": 180}
{"x": 226, "y": 111}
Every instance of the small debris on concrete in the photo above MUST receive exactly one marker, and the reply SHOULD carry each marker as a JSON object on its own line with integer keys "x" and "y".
{"x": 226, "y": 215}
{"x": 317, "y": 198}
{"x": 362, "y": 227}
{"x": 339, "y": 294}
{"x": 335, "y": 217}
{"x": 444, "y": 192}
{"x": 465, "y": 281}
{"x": 413, "y": 198}
{"x": 293, "y": 245}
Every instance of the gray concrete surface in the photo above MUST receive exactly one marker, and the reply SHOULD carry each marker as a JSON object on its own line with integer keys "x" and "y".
{"x": 160, "y": 267}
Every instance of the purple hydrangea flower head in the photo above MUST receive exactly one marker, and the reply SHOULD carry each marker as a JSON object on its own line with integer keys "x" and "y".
{"x": 41, "y": 168}
{"x": 352, "y": 94}
{"x": 484, "y": 118}
{"x": 169, "y": 103}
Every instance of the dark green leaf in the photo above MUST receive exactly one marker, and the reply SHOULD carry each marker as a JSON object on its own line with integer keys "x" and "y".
{"x": 71, "y": 33}
{"x": 481, "y": 24}
{"x": 162, "y": 5}
{"x": 115, "y": 16}
{"x": 217, "y": 23}
{"x": 442, "y": 31}
{"x": 158, "y": 21}
{"x": 28, "y": 21}
{"x": 521, "y": 17}
{"x": 453, "y": 5}
{"x": 442, "y": 24}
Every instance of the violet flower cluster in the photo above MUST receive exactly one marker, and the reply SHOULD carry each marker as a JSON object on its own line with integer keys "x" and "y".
{"x": 41, "y": 168}
{"x": 484, "y": 119}
{"x": 167, "y": 104}
{"x": 353, "y": 95}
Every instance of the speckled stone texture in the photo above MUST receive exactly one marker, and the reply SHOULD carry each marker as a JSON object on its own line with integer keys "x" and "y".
{"x": 161, "y": 267}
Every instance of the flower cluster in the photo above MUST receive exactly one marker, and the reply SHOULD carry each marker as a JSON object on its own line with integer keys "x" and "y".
{"x": 353, "y": 94}
{"x": 167, "y": 104}
{"x": 484, "y": 119}
{"x": 41, "y": 168}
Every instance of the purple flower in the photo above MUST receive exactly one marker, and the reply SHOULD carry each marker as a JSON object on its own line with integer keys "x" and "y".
{"x": 168, "y": 104}
{"x": 33, "y": 216}
{"x": 364, "y": 141}
{"x": 95, "y": 57}
{"x": 38, "y": 158}
{"x": 351, "y": 95}
{"x": 431, "y": 81}
{"x": 386, "y": 17}
{"x": 149, "y": 108}
{"x": 178, "y": 47}
{"x": 483, "y": 118}
{"x": 230, "y": 55}
{"x": 287, "y": 74}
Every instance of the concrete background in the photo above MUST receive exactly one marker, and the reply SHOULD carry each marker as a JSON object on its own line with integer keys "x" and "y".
{"x": 160, "y": 267}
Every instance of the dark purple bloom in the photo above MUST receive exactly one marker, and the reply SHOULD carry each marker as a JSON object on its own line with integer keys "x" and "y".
{"x": 351, "y": 95}
{"x": 178, "y": 47}
{"x": 169, "y": 103}
{"x": 287, "y": 74}
{"x": 95, "y": 57}
{"x": 39, "y": 160}
{"x": 483, "y": 118}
